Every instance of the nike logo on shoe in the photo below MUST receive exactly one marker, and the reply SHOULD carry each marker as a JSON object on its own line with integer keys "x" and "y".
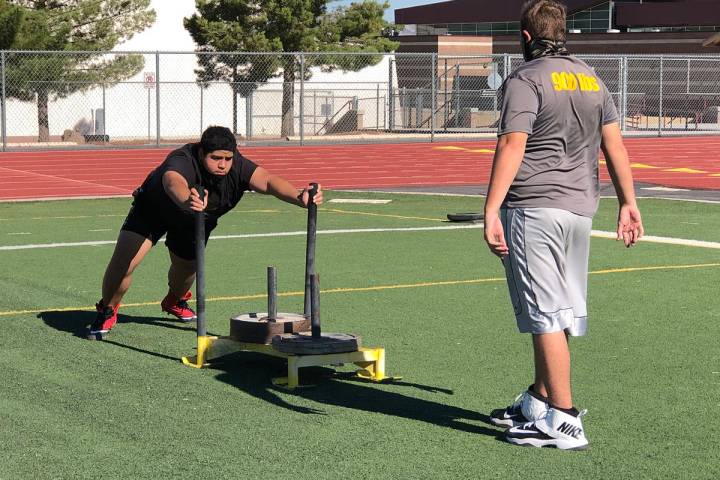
{"x": 570, "y": 430}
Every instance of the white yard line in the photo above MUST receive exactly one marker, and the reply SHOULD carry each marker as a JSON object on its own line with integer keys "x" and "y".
{"x": 342, "y": 190}
{"x": 369, "y": 201}
{"x": 477, "y": 226}
{"x": 480, "y": 195}
{"x": 665, "y": 240}
{"x": 391, "y": 192}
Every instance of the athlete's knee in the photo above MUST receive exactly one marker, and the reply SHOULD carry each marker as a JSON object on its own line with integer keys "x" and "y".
{"x": 183, "y": 264}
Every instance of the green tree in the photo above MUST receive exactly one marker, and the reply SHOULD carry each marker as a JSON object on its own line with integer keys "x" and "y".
{"x": 10, "y": 18}
{"x": 232, "y": 26}
{"x": 284, "y": 26}
{"x": 70, "y": 26}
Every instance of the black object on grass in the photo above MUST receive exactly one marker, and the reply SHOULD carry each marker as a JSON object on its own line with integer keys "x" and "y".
{"x": 465, "y": 217}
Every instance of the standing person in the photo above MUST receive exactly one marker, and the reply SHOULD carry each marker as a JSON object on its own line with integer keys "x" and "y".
{"x": 543, "y": 192}
{"x": 165, "y": 204}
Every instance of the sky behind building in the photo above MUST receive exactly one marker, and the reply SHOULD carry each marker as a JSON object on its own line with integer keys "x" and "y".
{"x": 168, "y": 33}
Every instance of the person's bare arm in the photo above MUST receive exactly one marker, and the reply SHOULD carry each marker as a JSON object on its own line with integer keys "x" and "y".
{"x": 265, "y": 182}
{"x": 712, "y": 41}
{"x": 180, "y": 192}
{"x": 630, "y": 227}
{"x": 508, "y": 158}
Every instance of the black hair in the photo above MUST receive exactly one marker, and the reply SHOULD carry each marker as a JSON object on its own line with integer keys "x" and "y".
{"x": 218, "y": 138}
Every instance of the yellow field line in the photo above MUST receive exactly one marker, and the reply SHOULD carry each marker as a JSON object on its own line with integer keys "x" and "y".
{"x": 376, "y": 288}
{"x": 659, "y": 267}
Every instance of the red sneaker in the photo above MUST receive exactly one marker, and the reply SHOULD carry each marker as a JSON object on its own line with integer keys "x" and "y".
{"x": 104, "y": 321}
{"x": 179, "y": 308}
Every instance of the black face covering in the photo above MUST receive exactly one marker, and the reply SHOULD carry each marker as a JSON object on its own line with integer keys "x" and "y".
{"x": 541, "y": 47}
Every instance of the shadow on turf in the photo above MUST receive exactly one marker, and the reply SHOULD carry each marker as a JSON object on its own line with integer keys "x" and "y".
{"x": 77, "y": 322}
{"x": 251, "y": 373}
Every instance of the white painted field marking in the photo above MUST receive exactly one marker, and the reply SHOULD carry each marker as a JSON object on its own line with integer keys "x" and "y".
{"x": 19, "y": 233}
{"x": 369, "y": 201}
{"x": 665, "y": 189}
{"x": 480, "y": 195}
{"x": 665, "y": 240}
{"x": 689, "y": 200}
{"x": 426, "y": 194}
{"x": 477, "y": 226}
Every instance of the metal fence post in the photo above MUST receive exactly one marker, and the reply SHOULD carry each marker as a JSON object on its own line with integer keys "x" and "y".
{"x": 446, "y": 110}
{"x": 377, "y": 108}
{"x": 157, "y": 99}
{"x": 4, "y": 114}
{"x": 202, "y": 104}
{"x": 384, "y": 116}
{"x": 104, "y": 124}
{"x": 660, "y": 102}
{"x": 624, "y": 92}
{"x": 419, "y": 107}
{"x": 249, "y": 115}
{"x": 391, "y": 100}
{"x": 433, "y": 100}
{"x": 302, "y": 99}
{"x": 457, "y": 92}
{"x": 148, "y": 114}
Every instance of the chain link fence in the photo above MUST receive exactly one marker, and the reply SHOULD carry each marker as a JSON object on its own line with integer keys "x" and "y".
{"x": 126, "y": 99}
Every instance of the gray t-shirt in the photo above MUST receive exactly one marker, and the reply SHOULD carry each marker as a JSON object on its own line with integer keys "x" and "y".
{"x": 562, "y": 105}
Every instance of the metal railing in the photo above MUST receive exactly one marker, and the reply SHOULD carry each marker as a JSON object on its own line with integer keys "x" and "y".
{"x": 126, "y": 99}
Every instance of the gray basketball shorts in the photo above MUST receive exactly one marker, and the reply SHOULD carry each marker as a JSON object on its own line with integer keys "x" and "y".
{"x": 547, "y": 268}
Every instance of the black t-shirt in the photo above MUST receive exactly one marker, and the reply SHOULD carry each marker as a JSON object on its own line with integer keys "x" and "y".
{"x": 186, "y": 162}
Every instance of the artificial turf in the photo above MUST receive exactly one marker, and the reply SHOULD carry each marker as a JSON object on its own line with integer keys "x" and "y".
{"x": 648, "y": 372}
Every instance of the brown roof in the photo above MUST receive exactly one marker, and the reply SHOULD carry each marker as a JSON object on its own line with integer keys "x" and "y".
{"x": 671, "y": 14}
{"x": 475, "y": 11}
{"x": 651, "y": 14}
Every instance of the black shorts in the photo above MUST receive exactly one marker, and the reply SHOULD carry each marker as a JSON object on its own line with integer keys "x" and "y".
{"x": 179, "y": 229}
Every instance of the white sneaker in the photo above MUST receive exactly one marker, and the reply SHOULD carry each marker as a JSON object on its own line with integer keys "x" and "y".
{"x": 557, "y": 429}
{"x": 528, "y": 407}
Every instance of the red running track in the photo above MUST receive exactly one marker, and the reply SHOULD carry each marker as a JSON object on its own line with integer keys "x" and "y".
{"x": 687, "y": 162}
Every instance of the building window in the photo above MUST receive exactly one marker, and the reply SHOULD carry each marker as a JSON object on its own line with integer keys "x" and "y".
{"x": 439, "y": 29}
{"x": 596, "y": 19}
{"x": 703, "y": 28}
{"x": 592, "y": 20}
{"x": 454, "y": 29}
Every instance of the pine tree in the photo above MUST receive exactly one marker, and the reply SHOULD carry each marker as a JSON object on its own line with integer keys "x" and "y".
{"x": 68, "y": 26}
{"x": 10, "y": 18}
{"x": 283, "y": 26}
{"x": 232, "y": 26}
